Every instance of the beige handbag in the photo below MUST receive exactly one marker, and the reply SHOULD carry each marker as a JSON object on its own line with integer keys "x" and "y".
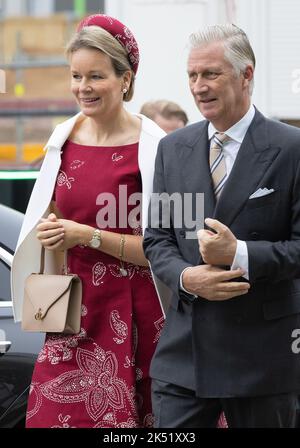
{"x": 52, "y": 303}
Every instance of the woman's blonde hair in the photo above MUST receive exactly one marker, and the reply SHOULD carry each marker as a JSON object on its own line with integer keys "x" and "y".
{"x": 97, "y": 38}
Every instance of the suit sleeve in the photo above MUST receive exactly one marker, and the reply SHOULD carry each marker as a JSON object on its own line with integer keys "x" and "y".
{"x": 160, "y": 243}
{"x": 280, "y": 260}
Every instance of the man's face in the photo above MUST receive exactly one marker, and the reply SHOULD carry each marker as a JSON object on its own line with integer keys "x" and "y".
{"x": 220, "y": 94}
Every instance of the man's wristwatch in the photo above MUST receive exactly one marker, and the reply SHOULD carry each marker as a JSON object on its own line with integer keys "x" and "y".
{"x": 95, "y": 242}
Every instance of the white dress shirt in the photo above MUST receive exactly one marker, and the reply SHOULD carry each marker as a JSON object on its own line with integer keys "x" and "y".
{"x": 237, "y": 134}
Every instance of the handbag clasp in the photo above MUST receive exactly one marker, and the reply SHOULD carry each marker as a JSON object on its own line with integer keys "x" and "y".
{"x": 39, "y": 315}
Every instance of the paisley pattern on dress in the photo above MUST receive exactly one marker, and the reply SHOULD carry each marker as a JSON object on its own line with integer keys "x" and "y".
{"x": 95, "y": 383}
{"x": 98, "y": 272}
{"x": 222, "y": 423}
{"x": 116, "y": 157}
{"x": 76, "y": 164}
{"x": 148, "y": 421}
{"x": 159, "y": 326}
{"x": 63, "y": 179}
{"x": 99, "y": 378}
{"x": 119, "y": 327}
{"x": 36, "y": 400}
{"x": 64, "y": 422}
{"x": 59, "y": 348}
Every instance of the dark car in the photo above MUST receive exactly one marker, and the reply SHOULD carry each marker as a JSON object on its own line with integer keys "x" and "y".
{"x": 18, "y": 350}
{"x": 16, "y": 184}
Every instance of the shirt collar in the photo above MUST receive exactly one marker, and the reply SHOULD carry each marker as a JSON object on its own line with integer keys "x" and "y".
{"x": 238, "y": 131}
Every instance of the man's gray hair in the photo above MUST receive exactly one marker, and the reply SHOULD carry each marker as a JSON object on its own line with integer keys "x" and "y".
{"x": 238, "y": 50}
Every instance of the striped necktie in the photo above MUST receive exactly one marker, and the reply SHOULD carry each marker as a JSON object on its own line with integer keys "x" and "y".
{"x": 217, "y": 162}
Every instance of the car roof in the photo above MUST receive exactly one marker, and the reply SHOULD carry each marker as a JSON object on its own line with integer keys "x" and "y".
{"x": 11, "y": 223}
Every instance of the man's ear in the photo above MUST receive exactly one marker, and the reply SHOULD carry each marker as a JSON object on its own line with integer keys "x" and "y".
{"x": 248, "y": 73}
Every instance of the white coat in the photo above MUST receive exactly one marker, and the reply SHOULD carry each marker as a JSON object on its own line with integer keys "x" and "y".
{"x": 27, "y": 256}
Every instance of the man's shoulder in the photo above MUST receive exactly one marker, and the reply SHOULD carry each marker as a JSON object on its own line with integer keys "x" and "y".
{"x": 187, "y": 135}
{"x": 286, "y": 137}
{"x": 278, "y": 130}
{"x": 283, "y": 128}
{"x": 270, "y": 132}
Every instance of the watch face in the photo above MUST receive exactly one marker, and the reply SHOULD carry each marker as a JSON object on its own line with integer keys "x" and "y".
{"x": 95, "y": 243}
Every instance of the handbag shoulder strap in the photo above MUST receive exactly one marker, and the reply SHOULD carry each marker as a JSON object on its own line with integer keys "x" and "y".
{"x": 42, "y": 261}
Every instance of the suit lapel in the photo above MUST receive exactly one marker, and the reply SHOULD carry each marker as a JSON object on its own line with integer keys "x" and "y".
{"x": 254, "y": 158}
{"x": 193, "y": 157}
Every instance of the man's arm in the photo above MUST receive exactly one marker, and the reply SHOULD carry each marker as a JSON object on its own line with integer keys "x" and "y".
{"x": 160, "y": 243}
{"x": 167, "y": 262}
{"x": 271, "y": 261}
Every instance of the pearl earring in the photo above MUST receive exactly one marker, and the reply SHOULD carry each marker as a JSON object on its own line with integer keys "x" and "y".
{"x": 124, "y": 90}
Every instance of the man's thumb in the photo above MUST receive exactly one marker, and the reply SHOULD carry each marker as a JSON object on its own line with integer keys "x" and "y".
{"x": 204, "y": 234}
{"x": 214, "y": 224}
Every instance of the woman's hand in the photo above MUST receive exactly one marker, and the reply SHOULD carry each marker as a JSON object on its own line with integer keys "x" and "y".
{"x": 50, "y": 232}
{"x": 62, "y": 234}
{"x": 72, "y": 234}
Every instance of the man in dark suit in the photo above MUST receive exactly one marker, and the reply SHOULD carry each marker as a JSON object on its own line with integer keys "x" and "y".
{"x": 227, "y": 343}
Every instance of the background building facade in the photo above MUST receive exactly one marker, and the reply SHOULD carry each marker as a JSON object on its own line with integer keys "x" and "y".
{"x": 35, "y": 31}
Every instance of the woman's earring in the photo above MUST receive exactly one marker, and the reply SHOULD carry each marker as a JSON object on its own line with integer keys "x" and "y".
{"x": 124, "y": 90}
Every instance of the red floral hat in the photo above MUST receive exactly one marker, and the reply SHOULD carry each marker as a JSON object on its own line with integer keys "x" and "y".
{"x": 119, "y": 32}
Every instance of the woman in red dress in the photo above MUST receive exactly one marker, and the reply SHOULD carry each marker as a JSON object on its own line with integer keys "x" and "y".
{"x": 100, "y": 377}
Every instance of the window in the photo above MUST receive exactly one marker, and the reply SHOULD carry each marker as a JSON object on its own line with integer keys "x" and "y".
{"x": 15, "y": 193}
{"x": 11, "y": 222}
{"x": 4, "y": 283}
{"x": 30, "y": 7}
{"x": 68, "y": 5}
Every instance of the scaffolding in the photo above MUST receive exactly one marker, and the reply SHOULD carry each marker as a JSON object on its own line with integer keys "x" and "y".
{"x": 23, "y": 109}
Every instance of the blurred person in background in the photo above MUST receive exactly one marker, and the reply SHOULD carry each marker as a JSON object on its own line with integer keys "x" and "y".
{"x": 168, "y": 115}
{"x": 99, "y": 377}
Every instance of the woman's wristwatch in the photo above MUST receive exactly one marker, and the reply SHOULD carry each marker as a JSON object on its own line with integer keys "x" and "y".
{"x": 95, "y": 242}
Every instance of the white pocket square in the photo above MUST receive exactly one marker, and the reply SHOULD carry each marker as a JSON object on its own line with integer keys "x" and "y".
{"x": 261, "y": 192}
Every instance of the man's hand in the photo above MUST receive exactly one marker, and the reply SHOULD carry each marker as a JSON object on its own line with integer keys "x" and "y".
{"x": 213, "y": 283}
{"x": 217, "y": 248}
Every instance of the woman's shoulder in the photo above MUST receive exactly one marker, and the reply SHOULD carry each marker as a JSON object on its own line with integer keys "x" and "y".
{"x": 72, "y": 122}
{"x": 62, "y": 131}
{"x": 78, "y": 131}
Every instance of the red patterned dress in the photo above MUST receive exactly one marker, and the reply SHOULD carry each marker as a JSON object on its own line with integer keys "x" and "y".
{"x": 100, "y": 377}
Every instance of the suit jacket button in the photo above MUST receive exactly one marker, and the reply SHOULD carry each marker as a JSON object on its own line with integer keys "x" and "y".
{"x": 182, "y": 233}
{"x": 255, "y": 236}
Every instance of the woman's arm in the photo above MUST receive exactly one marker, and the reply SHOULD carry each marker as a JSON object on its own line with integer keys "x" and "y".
{"x": 111, "y": 245}
{"x": 58, "y": 234}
